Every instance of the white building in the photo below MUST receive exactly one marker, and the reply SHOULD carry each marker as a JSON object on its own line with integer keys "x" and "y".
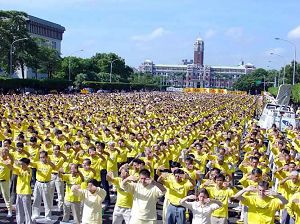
{"x": 196, "y": 74}
{"x": 51, "y": 32}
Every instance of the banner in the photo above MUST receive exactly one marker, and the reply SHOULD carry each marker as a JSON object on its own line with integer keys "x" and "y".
{"x": 212, "y": 91}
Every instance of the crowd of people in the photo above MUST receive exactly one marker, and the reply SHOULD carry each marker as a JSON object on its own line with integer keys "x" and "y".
{"x": 184, "y": 149}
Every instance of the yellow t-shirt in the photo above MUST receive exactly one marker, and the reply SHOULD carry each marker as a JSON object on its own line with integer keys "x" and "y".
{"x": 294, "y": 208}
{"x": 291, "y": 188}
{"x": 23, "y": 181}
{"x": 112, "y": 164}
{"x": 4, "y": 171}
{"x": 261, "y": 210}
{"x": 124, "y": 198}
{"x": 87, "y": 175}
{"x": 177, "y": 190}
{"x": 70, "y": 181}
{"x": 43, "y": 171}
{"x": 222, "y": 195}
{"x": 57, "y": 161}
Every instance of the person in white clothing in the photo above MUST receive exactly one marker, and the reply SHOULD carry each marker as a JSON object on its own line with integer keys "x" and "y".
{"x": 92, "y": 198}
{"x": 145, "y": 196}
{"x": 201, "y": 208}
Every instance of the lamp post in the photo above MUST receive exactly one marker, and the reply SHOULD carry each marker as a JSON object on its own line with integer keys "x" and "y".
{"x": 70, "y": 63}
{"x": 283, "y": 66}
{"x": 111, "y": 64}
{"x": 11, "y": 54}
{"x": 295, "y": 52}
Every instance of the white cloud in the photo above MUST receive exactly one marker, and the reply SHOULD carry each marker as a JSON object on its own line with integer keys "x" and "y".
{"x": 210, "y": 33}
{"x": 159, "y": 32}
{"x": 294, "y": 33}
{"x": 236, "y": 33}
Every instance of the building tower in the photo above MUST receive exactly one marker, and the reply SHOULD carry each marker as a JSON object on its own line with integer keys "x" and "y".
{"x": 198, "y": 52}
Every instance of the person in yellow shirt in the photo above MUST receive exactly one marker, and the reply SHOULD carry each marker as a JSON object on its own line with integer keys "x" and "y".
{"x": 42, "y": 188}
{"x": 290, "y": 185}
{"x": 17, "y": 155}
{"x": 112, "y": 160}
{"x": 87, "y": 172}
{"x": 262, "y": 203}
{"x": 122, "y": 210}
{"x": 223, "y": 194}
{"x": 71, "y": 200}
{"x": 58, "y": 159}
{"x": 92, "y": 198}
{"x": 293, "y": 208}
{"x": 5, "y": 160}
{"x": 23, "y": 204}
{"x": 177, "y": 188}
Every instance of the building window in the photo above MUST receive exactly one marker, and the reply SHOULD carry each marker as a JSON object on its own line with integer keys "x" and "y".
{"x": 53, "y": 44}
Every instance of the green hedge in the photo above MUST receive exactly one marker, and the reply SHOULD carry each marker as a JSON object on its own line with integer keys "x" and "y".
{"x": 120, "y": 86}
{"x": 295, "y": 92}
{"x": 37, "y": 84}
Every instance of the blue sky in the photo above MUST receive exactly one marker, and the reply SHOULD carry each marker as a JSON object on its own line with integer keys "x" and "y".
{"x": 165, "y": 30}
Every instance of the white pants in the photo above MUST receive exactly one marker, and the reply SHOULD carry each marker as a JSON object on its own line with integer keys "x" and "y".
{"x": 23, "y": 209}
{"x": 4, "y": 186}
{"x": 75, "y": 206}
{"x": 121, "y": 214}
{"x": 139, "y": 221}
{"x": 41, "y": 190}
{"x": 57, "y": 184}
{"x": 164, "y": 212}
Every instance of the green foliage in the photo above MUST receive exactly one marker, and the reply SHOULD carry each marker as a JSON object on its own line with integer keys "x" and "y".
{"x": 273, "y": 90}
{"x": 296, "y": 93}
{"x": 253, "y": 82}
{"x": 144, "y": 79}
{"x": 44, "y": 84}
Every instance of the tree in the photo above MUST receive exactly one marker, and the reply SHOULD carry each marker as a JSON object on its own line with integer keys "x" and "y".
{"x": 50, "y": 60}
{"x": 104, "y": 61}
{"x": 253, "y": 82}
{"x": 13, "y": 27}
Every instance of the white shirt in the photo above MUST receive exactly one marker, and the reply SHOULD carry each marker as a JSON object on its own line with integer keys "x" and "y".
{"x": 201, "y": 213}
{"x": 92, "y": 208}
{"x": 144, "y": 200}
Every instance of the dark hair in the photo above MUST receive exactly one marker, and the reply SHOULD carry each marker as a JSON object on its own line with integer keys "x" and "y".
{"x": 175, "y": 164}
{"x": 20, "y": 144}
{"x": 88, "y": 160}
{"x": 25, "y": 160}
{"x": 94, "y": 182}
{"x": 216, "y": 169}
{"x": 8, "y": 141}
{"x": 92, "y": 148}
{"x": 254, "y": 158}
{"x": 220, "y": 176}
{"x": 138, "y": 161}
{"x": 256, "y": 171}
{"x": 178, "y": 171}
{"x": 203, "y": 191}
{"x": 145, "y": 173}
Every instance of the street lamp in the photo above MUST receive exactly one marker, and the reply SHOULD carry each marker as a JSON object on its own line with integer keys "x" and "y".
{"x": 11, "y": 53}
{"x": 283, "y": 66}
{"x": 111, "y": 64}
{"x": 295, "y": 52}
{"x": 70, "y": 63}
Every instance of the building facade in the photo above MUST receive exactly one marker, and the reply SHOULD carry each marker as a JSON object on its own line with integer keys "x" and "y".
{"x": 50, "y": 32}
{"x": 195, "y": 74}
